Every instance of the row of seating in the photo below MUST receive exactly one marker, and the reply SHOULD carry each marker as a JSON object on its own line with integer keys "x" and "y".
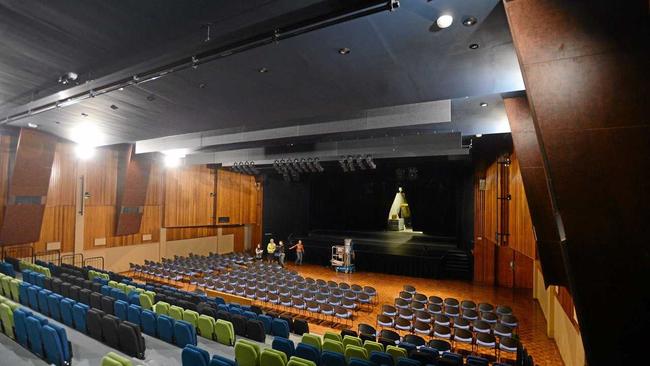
{"x": 33, "y": 332}
{"x": 9, "y": 286}
{"x": 113, "y": 359}
{"x": 35, "y": 268}
{"x": 87, "y": 312}
{"x": 7, "y": 269}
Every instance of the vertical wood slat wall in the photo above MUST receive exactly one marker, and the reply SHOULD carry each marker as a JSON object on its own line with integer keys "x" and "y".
{"x": 176, "y": 198}
{"x": 491, "y": 261}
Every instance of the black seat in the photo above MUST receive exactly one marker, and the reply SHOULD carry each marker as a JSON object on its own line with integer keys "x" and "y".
{"x": 387, "y": 342}
{"x": 96, "y": 287}
{"x": 414, "y": 339}
{"x": 84, "y": 296}
{"x": 94, "y": 323}
{"x": 47, "y": 283}
{"x": 255, "y": 330}
{"x": 56, "y": 286}
{"x": 206, "y": 309}
{"x": 367, "y": 329}
{"x": 425, "y": 358}
{"x": 74, "y": 292}
{"x": 65, "y": 289}
{"x": 349, "y": 332}
{"x": 96, "y": 300}
{"x": 256, "y": 309}
{"x": 88, "y": 284}
{"x": 108, "y": 304}
{"x": 367, "y": 337}
{"x": 224, "y": 315}
{"x": 239, "y": 324}
{"x": 110, "y": 325}
{"x": 131, "y": 340}
{"x": 300, "y": 326}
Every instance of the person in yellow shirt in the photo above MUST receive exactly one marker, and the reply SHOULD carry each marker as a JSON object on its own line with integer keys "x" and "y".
{"x": 270, "y": 250}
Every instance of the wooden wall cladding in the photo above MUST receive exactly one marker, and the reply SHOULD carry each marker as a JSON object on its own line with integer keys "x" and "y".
{"x": 189, "y": 196}
{"x": 28, "y": 187}
{"x": 101, "y": 178}
{"x": 237, "y": 198}
{"x": 99, "y": 223}
{"x": 58, "y": 226}
{"x": 180, "y": 233}
{"x": 5, "y": 156}
{"x": 132, "y": 184}
{"x": 238, "y": 236}
{"x": 520, "y": 226}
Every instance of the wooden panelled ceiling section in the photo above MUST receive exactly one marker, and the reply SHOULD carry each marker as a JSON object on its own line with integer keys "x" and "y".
{"x": 397, "y": 58}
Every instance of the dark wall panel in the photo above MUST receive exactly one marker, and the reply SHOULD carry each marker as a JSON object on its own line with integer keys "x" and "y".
{"x": 132, "y": 183}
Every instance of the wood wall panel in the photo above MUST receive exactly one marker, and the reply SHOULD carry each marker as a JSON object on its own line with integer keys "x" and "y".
{"x": 156, "y": 187}
{"x": 229, "y": 197}
{"x": 189, "y": 197}
{"x": 58, "y": 225}
{"x": 99, "y": 223}
{"x": 505, "y": 258}
{"x": 63, "y": 181}
{"x": 238, "y": 233}
{"x": 101, "y": 178}
{"x": 523, "y": 270}
{"x": 180, "y": 233}
{"x": 5, "y": 157}
{"x": 522, "y": 236}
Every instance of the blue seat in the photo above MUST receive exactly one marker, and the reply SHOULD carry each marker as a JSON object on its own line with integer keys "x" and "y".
{"x": 454, "y": 357}
{"x": 149, "y": 323}
{"x": 119, "y": 295}
{"x": 165, "y": 326}
{"x": 381, "y": 358}
{"x": 79, "y": 312}
{"x": 65, "y": 307}
{"x": 134, "y": 298}
{"x": 20, "y": 326}
{"x": 32, "y": 294}
{"x": 250, "y": 315}
{"x": 223, "y": 307}
{"x": 194, "y": 356}
{"x": 39, "y": 278}
{"x": 218, "y": 300}
{"x": 280, "y": 328}
{"x": 55, "y": 344}
{"x": 23, "y": 294}
{"x": 221, "y": 361}
{"x": 7, "y": 269}
{"x": 328, "y": 358}
{"x": 34, "y": 334}
{"x": 354, "y": 361}
{"x": 403, "y": 361}
{"x": 184, "y": 333}
{"x": 308, "y": 352}
{"x": 43, "y": 305}
{"x": 120, "y": 308}
{"x": 477, "y": 361}
{"x": 133, "y": 314}
{"x": 267, "y": 321}
{"x": 106, "y": 290}
{"x": 54, "y": 304}
{"x": 236, "y": 311}
{"x": 284, "y": 345}
{"x": 27, "y": 276}
{"x": 407, "y": 346}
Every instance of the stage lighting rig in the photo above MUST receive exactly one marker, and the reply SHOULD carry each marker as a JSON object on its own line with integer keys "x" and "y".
{"x": 371, "y": 164}
{"x": 360, "y": 161}
{"x": 350, "y": 161}
{"x": 317, "y": 165}
{"x": 343, "y": 164}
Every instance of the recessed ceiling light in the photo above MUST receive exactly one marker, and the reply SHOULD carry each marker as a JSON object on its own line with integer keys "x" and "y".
{"x": 478, "y": 135}
{"x": 469, "y": 21}
{"x": 483, "y": 104}
{"x": 32, "y": 125}
{"x": 444, "y": 21}
{"x": 474, "y": 46}
{"x": 202, "y": 85}
{"x": 344, "y": 51}
{"x": 121, "y": 89}
{"x": 263, "y": 70}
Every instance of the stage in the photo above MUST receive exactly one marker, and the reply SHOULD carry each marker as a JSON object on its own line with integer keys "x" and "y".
{"x": 396, "y": 252}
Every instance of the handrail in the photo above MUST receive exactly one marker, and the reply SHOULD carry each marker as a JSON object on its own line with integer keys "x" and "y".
{"x": 75, "y": 259}
{"x": 93, "y": 261}
{"x": 52, "y": 256}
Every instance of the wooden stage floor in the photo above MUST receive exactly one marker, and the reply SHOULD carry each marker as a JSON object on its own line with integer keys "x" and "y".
{"x": 532, "y": 324}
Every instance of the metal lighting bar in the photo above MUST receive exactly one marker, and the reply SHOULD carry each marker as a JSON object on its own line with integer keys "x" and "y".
{"x": 264, "y": 38}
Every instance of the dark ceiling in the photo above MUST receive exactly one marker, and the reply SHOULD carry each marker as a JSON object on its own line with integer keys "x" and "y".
{"x": 395, "y": 59}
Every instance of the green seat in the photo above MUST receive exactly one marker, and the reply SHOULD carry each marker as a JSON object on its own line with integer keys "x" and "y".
{"x": 129, "y": 289}
{"x": 7, "y": 317}
{"x": 312, "y": 339}
{"x": 272, "y": 357}
{"x": 297, "y": 361}
{"x": 113, "y": 359}
{"x": 355, "y": 351}
{"x": 205, "y": 326}
{"x": 191, "y": 317}
{"x": 112, "y": 284}
{"x": 15, "y": 286}
{"x": 396, "y": 352}
{"x": 145, "y": 302}
{"x": 175, "y": 312}
{"x": 333, "y": 346}
{"x": 139, "y": 290}
{"x": 373, "y": 346}
{"x": 47, "y": 272}
{"x": 333, "y": 336}
{"x": 6, "y": 288}
{"x": 122, "y": 286}
{"x": 351, "y": 340}
{"x": 224, "y": 332}
{"x": 161, "y": 308}
{"x": 246, "y": 354}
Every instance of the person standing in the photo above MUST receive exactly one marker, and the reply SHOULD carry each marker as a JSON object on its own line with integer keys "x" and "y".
{"x": 280, "y": 251}
{"x": 300, "y": 250}
{"x": 258, "y": 252}
{"x": 270, "y": 250}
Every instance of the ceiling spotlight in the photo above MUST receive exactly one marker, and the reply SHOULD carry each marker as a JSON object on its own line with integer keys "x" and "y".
{"x": 84, "y": 114}
{"x": 202, "y": 86}
{"x": 84, "y": 151}
{"x": 478, "y": 135}
{"x": 483, "y": 104}
{"x": 263, "y": 70}
{"x": 32, "y": 125}
{"x": 469, "y": 21}
{"x": 473, "y": 46}
{"x": 350, "y": 161}
{"x": 444, "y": 21}
{"x": 68, "y": 77}
{"x": 114, "y": 107}
{"x": 371, "y": 164}
{"x": 121, "y": 89}
{"x": 344, "y": 51}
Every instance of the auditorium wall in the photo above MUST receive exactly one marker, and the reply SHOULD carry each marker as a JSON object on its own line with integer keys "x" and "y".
{"x": 95, "y": 179}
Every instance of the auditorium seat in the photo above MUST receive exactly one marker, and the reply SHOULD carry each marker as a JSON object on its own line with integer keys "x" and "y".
{"x": 110, "y": 324}
{"x": 75, "y": 292}
{"x": 108, "y": 306}
{"x": 131, "y": 340}
{"x": 402, "y": 361}
{"x": 284, "y": 345}
{"x": 56, "y": 345}
{"x": 297, "y": 361}
{"x": 271, "y": 357}
{"x": 255, "y": 330}
{"x": 165, "y": 328}
{"x": 23, "y": 293}
{"x": 43, "y": 306}
{"x": 355, "y": 351}
{"x": 79, "y": 316}
{"x": 381, "y": 358}
{"x": 328, "y": 358}
{"x": 194, "y": 356}
{"x": 307, "y": 352}
{"x": 20, "y": 326}
{"x": 184, "y": 333}
{"x": 34, "y": 326}
{"x": 280, "y": 328}
{"x": 396, "y": 352}
{"x": 120, "y": 309}
{"x": 352, "y": 340}
{"x": 149, "y": 323}
{"x": 133, "y": 314}
{"x": 224, "y": 332}
{"x": 113, "y": 359}
{"x": 95, "y": 301}
{"x": 32, "y": 293}
{"x": 333, "y": 346}
{"x": 175, "y": 312}
{"x": 221, "y": 361}
{"x": 300, "y": 326}
{"x": 205, "y": 326}
{"x": 247, "y": 353}
{"x": 267, "y": 321}
{"x": 161, "y": 308}
{"x": 94, "y": 323}
{"x": 84, "y": 296}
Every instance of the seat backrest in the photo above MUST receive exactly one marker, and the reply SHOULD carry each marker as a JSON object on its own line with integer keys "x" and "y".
{"x": 95, "y": 300}
{"x": 110, "y": 325}
{"x": 267, "y": 321}
{"x": 131, "y": 340}
{"x": 32, "y": 293}
{"x": 328, "y": 358}
{"x": 255, "y": 330}
{"x": 191, "y": 317}
{"x": 149, "y": 323}
{"x": 165, "y": 328}
{"x": 396, "y": 352}
{"x": 271, "y": 357}
{"x": 94, "y": 323}
{"x": 108, "y": 306}
{"x": 333, "y": 346}
{"x": 280, "y": 328}
{"x": 184, "y": 333}
{"x": 54, "y": 304}
{"x": 55, "y": 344}
{"x": 245, "y": 354}
{"x": 84, "y": 296}
{"x": 333, "y": 336}
{"x": 75, "y": 290}
{"x": 194, "y": 356}
{"x": 120, "y": 309}
{"x": 297, "y": 361}
{"x": 175, "y": 312}
{"x": 300, "y": 326}
{"x": 34, "y": 326}
{"x": 352, "y": 340}
{"x": 79, "y": 316}
{"x": 20, "y": 326}
{"x": 355, "y": 351}
{"x": 43, "y": 302}
{"x": 133, "y": 314}
{"x": 113, "y": 359}
{"x": 381, "y": 358}
{"x": 284, "y": 345}
{"x": 402, "y": 361}
{"x": 371, "y": 346}
{"x": 161, "y": 308}
{"x": 205, "y": 326}
{"x": 221, "y": 361}
{"x": 308, "y": 352}
{"x": 7, "y": 316}
{"x": 224, "y": 332}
